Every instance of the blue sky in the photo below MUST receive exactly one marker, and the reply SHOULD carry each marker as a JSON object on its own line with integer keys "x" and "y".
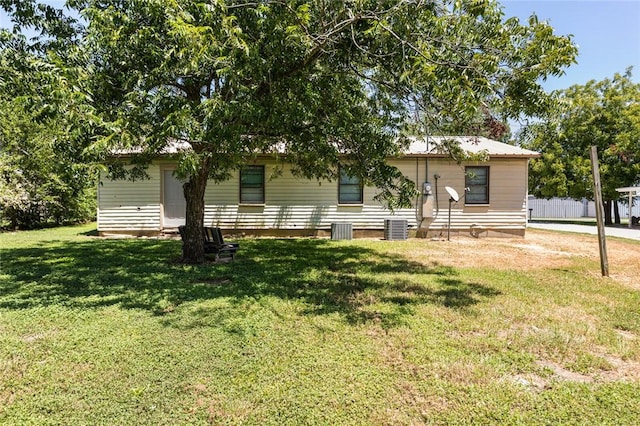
{"x": 606, "y": 31}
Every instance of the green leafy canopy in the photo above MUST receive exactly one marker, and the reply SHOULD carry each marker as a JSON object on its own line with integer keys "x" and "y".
{"x": 323, "y": 83}
{"x": 318, "y": 84}
{"x": 45, "y": 120}
{"x": 602, "y": 113}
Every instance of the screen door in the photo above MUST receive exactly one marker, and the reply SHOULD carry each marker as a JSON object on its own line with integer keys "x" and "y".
{"x": 173, "y": 198}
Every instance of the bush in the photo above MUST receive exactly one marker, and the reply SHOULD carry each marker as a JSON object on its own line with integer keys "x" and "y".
{"x": 28, "y": 201}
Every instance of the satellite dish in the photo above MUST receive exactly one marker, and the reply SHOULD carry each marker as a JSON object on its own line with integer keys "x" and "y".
{"x": 452, "y": 193}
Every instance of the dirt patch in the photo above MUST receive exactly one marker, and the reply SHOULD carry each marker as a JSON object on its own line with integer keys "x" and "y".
{"x": 627, "y": 335}
{"x": 539, "y": 249}
{"x": 33, "y": 337}
{"x": 562, "y": 374}
{"x": 622, "y": 370}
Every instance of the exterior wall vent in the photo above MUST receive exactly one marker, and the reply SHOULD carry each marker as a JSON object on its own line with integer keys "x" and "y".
{"x": 341, "y": 231}
{"x": 396, "y": 229}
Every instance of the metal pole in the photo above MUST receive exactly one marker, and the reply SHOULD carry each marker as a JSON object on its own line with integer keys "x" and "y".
{"x": 597, "y": 191}
{"x": 630, "y": 205}
{"x": 449, "y": 221}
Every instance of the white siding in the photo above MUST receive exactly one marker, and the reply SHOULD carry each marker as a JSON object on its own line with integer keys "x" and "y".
{"x": 292, "y": 203}
{"x": 130, "y": 206}
{"x": 507, "y": 193}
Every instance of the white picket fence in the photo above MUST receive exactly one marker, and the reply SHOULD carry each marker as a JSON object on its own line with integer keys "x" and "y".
{"x": 569, "y": 208}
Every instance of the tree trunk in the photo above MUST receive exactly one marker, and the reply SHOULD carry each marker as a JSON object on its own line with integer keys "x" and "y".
{"x": 193, "y": 245}
{"x": 616, "y": 212}
{"x": 607, "y": 212}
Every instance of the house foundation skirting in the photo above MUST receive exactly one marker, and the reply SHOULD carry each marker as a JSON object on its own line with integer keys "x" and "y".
{"x": 475, "y": 232}
{"x": 432, "y": 233}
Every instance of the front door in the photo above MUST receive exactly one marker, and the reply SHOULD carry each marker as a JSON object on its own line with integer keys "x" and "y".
{"x": 173, "y": 199}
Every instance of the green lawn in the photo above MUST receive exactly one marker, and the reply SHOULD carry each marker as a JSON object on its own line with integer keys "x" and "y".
{"x": 307, "y": 331}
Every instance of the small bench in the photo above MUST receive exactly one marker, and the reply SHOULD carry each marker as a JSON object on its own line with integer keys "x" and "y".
{"x": 213, "y": 242}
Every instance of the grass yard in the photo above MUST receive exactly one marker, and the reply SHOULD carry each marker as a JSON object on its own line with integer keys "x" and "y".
{"x": 313, "y": 331}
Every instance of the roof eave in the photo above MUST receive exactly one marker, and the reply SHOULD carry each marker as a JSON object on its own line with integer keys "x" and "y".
{"x": 432, "y": 155}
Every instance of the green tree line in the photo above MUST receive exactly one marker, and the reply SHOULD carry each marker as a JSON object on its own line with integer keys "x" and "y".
{"x": 602, "y": 113}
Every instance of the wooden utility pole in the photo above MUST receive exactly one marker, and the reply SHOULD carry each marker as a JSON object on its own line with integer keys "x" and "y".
{"x": 597, "y": 191}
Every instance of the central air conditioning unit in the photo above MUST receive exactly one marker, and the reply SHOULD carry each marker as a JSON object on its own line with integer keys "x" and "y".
{"x": 396, "y": 229}
{"x": 341, "y": 231}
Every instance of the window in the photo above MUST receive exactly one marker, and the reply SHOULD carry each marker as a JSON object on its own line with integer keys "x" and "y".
{"x": 477, "y": 180}
{"x": 349, "y": 189}
{"x": 252, "y": 185}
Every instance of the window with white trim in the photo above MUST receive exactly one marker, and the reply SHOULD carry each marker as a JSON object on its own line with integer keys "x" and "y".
{"x": 349, "y": 189}
{"x": 252, "y": 185}
{"x": 477, "y": 180}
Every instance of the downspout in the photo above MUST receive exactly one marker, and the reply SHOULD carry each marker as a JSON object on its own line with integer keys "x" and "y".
{"x": 426, "y": 160}
{"x": 419, "y": 218}
{"x": 527, "y": 217}
{"x": 436, "y": 177}
{"x": 98, "y": 201}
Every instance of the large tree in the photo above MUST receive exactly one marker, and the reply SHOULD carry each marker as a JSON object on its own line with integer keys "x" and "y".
{"x": 322, "y": 85}
{"x": 319, "y": 84}
{"x": 602, "y": 113}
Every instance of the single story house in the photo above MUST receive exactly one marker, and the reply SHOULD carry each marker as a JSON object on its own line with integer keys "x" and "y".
{"x": 492, "y": 197}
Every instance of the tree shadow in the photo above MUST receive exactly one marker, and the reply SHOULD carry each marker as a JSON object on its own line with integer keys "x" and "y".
{"x": 326, "y": 277}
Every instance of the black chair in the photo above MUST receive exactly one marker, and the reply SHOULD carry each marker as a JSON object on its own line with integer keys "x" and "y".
{"x": 215, "y": 243}
{"x": 219, "y": 239}
{"x": 211, "y": 245}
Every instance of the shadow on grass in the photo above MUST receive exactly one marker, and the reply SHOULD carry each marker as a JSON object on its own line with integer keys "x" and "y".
{"x": 325, "y": 277}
